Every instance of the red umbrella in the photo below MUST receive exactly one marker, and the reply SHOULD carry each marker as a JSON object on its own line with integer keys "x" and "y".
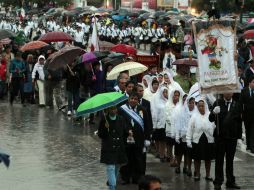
{"x": 56, "y": 37}
{"x": 33, "y": 45}
{"x": 249, "y": 34}
{"x": 188, "y": 62}
{"x": 126, "y": 49}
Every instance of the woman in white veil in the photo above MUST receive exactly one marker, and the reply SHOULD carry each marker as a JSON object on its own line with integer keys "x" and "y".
{"x": 145, "y": 81}
{"x": 153, "y": 86}
{"x": 200, "y": 138}
{"x": 182, "y": 115}
{"x": 158, "y": 104}
{"x": 170, "y": 83}
{"x": 173, "y": 101}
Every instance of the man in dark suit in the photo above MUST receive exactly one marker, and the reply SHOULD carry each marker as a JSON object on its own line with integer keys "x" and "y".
{"x": 137, "y": 122}
{"x": 249, "y": 73}
{"x": 226, "y": 114}
{"x": 147, "y": 106}
{"x": 247, "y": 100}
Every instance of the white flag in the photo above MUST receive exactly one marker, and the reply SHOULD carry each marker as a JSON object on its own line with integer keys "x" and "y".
{"x": 95, "y": 40}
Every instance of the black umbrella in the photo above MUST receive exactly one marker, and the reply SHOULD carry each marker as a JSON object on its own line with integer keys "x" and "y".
{"x": 158, "y": 13}
{"x": 145, "y": 15}
{"x": 112, "y": 61}
{"x": 5, "y": 158}
{"x": 6, "y": 34}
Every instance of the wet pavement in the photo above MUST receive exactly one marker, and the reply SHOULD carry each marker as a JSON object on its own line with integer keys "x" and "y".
{"x": 51, "y": 152}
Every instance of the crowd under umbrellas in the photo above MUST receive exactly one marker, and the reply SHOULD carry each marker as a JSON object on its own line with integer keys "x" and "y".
{"x": 85, "y": 75}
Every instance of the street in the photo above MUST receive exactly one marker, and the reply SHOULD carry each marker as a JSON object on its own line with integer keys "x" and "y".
{"x": 50, "y": 151}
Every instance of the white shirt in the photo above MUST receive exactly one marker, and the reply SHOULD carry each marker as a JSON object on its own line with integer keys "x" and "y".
{"x": 78, "y": 36}
{"x": 39, "y": 68}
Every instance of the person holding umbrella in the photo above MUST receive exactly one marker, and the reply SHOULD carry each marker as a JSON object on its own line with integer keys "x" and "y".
{"x": 72, "y": 87}
{"x": 113, "y": 133}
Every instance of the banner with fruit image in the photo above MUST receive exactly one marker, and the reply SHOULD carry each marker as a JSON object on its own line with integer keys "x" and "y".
{"x": 216, "y": 49}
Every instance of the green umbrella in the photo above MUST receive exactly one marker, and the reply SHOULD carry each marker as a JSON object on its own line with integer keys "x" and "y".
{"x": 100, "y": 102}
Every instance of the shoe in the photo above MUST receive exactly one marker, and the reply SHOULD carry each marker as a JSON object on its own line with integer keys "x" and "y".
{"x": 185, "y": 170}
{"x": 173, "y": 164}
{"x": 189, "y": 173}
{"x": 208, "y": 179}
{"x": 162, "y": 160}
{"x": 178, "y": 170}
{"x": 196, "y": 178}
{"x": 217, "y": 187}
{"x": 69, "y": 113}
{"x": 91, "y": 122}
{"x": 233, "y": 186}
{"x": 62, "y": 107}
{"x": 126, "y": 182}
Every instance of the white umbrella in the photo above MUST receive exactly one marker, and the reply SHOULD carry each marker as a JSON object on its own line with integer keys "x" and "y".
{"x": 133, "y": 68}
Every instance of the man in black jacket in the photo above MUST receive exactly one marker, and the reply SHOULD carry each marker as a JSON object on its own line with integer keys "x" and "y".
{"x": 247, "y": 99}
{"x": 226, "y": 113}
{"x": 249, "y": 73}
{"x": 147, "y": 106}
{"x": 137, "y": 122}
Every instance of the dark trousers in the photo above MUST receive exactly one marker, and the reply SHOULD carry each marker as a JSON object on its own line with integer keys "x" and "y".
{"x": 17, "y": 86}
{"x": 78, "y": 44}
{"x": 144, "y": 163}
{"x": 73, "y": 100}
{"x": 225, "y": 147}
{"x": 2, "y": 87}
{"x": 134, "y": 166}
{"x": 50, "y": 87}
{"x": 247, "y": 134}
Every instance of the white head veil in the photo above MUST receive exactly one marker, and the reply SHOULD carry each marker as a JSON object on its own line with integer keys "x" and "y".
{"x": 147, "y": 78}
{"x": 158, "y": 105}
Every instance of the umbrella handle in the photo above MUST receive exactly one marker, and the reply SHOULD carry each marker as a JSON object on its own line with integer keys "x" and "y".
{"x": 106, "y": 124}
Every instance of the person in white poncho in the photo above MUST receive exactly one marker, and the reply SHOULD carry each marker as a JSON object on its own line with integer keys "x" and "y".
{"x": 182, "y": 115}
{"x": 200, "y": 138}
{"x": 158, "y": 104}
{"x": 173, "y": 100}
{"x": 153, "y": 86}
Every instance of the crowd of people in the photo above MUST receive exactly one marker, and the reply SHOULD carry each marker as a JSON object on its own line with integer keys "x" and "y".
{"x": 162, "y": 110}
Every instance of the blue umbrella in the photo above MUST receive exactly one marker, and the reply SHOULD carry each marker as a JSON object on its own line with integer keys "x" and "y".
{"x": 118, "y": 17}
